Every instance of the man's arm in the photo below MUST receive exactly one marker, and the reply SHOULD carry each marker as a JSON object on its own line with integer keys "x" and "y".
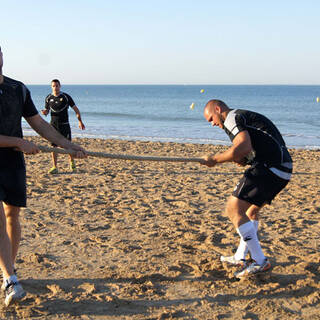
{"x": 77, "y": 111}
{"x": 241, "y": 147}
{"x": 18, "y": 144}
{"x": 45, "y": 130}
{"x": 46, "y": 109}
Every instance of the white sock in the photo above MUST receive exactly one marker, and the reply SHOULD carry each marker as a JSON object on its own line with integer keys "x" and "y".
{"x": 243, "y": 249}
{"x": 11, "y": 279}
{"x": 248, "y": 233}
{"x": 255, "y": 224}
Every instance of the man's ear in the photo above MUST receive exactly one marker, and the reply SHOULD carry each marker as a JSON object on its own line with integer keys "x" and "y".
{"x": 217, "y": 109}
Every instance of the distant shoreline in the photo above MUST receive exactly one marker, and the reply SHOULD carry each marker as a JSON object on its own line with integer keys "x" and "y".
{"x": 85, "y": 138}
{"x": 181, "y": 84}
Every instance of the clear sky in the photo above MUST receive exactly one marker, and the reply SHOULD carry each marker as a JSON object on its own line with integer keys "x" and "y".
{"x": 161, "y": 41}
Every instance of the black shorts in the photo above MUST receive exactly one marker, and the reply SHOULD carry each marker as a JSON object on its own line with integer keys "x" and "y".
{"x": 13, "y": 187}
{"x": 259, "y": 185}
{"x": 64, "y": 129}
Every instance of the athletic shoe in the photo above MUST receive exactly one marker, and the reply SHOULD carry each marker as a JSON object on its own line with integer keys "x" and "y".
{"x": 3, "y": 286}
{"x": 73, "y": 166}
{"x": 253, "y": 268}
{"x": 13, "y": 292}
{"x": 232, "y": 260}
{"x": 53, "y": 170}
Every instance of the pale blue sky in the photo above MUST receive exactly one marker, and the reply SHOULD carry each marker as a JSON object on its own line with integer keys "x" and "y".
{"x": 161, "y": 42}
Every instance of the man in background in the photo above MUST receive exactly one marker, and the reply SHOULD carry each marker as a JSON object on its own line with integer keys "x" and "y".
{"x": 256, "y": 142}
{"x": 57, "y": 103}
{"x": 15, "y": 103}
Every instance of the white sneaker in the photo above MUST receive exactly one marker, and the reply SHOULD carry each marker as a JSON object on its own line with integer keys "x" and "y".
{"x": 253, "y": 268}
{"x": 232, "y": 260}
{"x": 3, "y": 286}
{"x": 13, "y": 292}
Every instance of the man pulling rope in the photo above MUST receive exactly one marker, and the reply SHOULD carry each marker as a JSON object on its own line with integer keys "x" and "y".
{"x": 256, "y": 142}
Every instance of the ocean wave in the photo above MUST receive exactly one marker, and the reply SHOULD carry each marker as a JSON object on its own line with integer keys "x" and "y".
{"x": 306, "y": 147}
{"x": 99, "y": 135}
{"x": 168, "y": 139}
{"x": 295, "y": 135}
{"x": 130, "y": 116}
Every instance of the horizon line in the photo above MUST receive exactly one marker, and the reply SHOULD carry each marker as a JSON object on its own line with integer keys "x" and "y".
{"x": 172, "y": 84}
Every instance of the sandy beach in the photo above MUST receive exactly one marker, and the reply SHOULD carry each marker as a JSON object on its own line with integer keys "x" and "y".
{"x": 142, "y": 240}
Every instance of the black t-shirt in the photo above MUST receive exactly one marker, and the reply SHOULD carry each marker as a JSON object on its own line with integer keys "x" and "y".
{"x": 267, "y": 142}
{"x": 15, "y": 103}
{"x": 58, "y": 107}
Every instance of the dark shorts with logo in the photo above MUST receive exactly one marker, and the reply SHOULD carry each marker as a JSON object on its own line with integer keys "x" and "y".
{"x": 259, "y": 185}
{"x": 63, "y": 128}
{"x": 13, "y": 187}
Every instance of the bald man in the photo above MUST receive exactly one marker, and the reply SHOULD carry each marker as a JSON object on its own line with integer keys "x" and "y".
{"x": 256, "y": 142}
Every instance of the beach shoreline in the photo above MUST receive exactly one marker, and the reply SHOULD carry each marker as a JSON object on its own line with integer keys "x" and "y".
{"x": 141, "y": 240}
{"x": 81, "y": 136}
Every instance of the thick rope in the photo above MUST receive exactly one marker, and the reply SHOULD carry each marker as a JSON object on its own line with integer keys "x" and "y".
{"x": 144, "y": 158}
{"x": 120, "y": 156}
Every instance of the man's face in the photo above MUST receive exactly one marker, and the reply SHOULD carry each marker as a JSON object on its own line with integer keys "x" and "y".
{"x": 55, "y": 86}
{"x": 213, "y": 116}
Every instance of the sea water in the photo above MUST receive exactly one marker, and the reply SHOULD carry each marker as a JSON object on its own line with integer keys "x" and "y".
{"x": 163, "y": 113}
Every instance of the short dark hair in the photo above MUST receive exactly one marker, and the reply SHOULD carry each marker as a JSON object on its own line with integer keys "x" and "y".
{"x": 219, "y": 103}
{"x": 57, "y": 81}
